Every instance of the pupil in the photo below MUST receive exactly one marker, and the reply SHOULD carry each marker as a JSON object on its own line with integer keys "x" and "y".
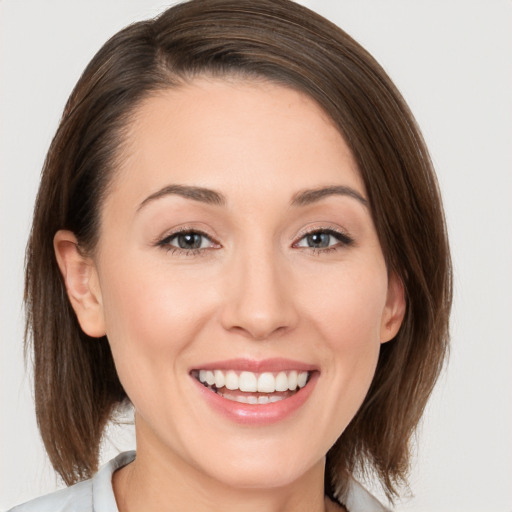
{"x": 189, "y": 241}
{"x": 318, "y": 240}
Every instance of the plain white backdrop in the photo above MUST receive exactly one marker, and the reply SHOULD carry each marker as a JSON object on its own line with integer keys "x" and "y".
{"x": 452, "y": 60}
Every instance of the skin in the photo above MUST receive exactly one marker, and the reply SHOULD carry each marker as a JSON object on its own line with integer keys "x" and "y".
{"x": 255, "y": 290}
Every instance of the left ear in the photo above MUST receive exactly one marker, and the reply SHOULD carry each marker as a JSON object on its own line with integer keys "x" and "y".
{"x": 394, "y": 311}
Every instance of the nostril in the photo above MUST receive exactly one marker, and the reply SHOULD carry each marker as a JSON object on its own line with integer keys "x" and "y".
{"x": 259, "y": 331}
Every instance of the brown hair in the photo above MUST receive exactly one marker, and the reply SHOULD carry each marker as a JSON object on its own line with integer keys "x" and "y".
{"x": 76, "y": 386}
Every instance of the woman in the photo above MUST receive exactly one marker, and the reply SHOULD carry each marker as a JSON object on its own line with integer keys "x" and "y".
{"x": 239, "y": 232}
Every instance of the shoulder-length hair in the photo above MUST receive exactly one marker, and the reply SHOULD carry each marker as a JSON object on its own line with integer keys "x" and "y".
{"x": 76, "y": 386}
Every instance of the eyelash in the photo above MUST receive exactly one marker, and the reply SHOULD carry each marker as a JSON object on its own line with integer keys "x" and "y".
{"x": 165, "y": 243}
{"x": 343, "y": 239}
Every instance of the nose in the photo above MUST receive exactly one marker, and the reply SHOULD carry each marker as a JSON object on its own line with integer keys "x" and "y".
{"x": 259, "y": 297}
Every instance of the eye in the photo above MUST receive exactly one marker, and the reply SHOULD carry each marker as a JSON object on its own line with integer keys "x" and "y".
{"x": 324, "y": 239}
{"x": 187, "y": 241}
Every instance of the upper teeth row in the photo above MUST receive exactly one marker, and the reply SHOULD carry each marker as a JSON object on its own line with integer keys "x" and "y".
{"x": 253, "y": 382}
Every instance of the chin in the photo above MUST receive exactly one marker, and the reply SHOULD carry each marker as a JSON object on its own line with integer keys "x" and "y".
{"x": 262, "y": 470}
{"x": 260, "y": 477}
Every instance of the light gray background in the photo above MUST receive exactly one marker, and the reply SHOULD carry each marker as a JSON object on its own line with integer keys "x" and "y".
{"x": 453, "y": 62}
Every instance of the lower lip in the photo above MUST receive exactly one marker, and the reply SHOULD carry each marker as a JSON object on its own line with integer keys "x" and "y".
{"x": 258, "y": 414}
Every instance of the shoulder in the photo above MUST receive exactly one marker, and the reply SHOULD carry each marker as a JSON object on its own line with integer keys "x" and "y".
{"x": 357, "y": 499}
{"x": 86, "y": 496}
{"x": 77, "y": 498}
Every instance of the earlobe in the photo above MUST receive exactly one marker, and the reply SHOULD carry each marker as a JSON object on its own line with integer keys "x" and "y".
{"x": 394, "y": 310}
{"x": 82, "y": 284}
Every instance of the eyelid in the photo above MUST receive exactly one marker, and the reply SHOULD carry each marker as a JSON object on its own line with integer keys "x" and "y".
{"x": 343, "y": 238}
{"x": 164, "y": 240}
{"x": 341, "y": 235}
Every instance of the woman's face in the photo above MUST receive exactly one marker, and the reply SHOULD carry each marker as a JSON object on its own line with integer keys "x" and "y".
{"x": 237, "y": 248}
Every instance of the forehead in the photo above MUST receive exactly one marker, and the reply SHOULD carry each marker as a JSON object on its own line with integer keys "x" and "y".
{"x": 224, "y": 134}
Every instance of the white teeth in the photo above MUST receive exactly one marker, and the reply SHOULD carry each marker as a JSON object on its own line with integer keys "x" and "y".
{"x": 266, "y": 383}
{"x": 292, "y": 381}
{"x": 302, "y": 379}
{"x": 231, "y": 380}
{"x": 241, "y": 398}
{"x": 250, "y": 382}
{"x": 219, "y": 379}
{"x": 282, "y": 381}
{"x": 251, "y": 399}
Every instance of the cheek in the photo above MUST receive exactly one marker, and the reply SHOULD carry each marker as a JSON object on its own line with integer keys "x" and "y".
{"x": 348, "y": 317}
{"x": 350, "y": 305}
{"x": 150, "y": 317}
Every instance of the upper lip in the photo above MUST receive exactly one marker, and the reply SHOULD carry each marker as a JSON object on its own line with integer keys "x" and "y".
{"x": 257, "y": 366}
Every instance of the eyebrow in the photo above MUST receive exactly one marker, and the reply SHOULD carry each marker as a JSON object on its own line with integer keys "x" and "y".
{"x": 208, "y": 196}
{"x": 203, "y": 195}
{"x": 307, "y": 197}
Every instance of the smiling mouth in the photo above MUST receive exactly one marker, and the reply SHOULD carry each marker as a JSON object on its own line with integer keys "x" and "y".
{"x": 253, "y": 388}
